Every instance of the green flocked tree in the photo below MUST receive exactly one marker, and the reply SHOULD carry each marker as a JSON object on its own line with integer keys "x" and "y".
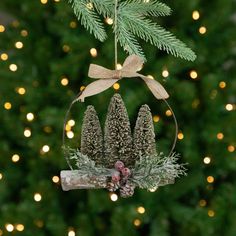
{"x": 144, "y": 134}
{"x": 117, "y": 134}
{"x": 91, "y": 136}
{"x": 44, "y": 59}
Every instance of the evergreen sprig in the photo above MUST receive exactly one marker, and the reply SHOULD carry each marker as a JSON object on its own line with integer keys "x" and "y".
{"x": 133, "y": 22}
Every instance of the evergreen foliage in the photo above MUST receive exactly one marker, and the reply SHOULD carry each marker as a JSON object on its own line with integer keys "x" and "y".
{"x": 117, "y": 135}
{"x": 91, "y": 136}
{"x": 144, "y": 135}
{"x": 133, "y": 21}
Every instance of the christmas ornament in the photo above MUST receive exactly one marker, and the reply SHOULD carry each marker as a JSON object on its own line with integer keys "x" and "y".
{"x": 122, "y": 159}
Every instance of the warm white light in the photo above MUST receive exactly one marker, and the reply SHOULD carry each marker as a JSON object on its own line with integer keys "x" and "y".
{"x": 21, "y": 90}
{"x": 193, "y": 74}
{"x": 71, "y": 123}
{"x": 152, "y": 190}
{"x": 20, "y": 227}
{"x": 9, "y": 227}
{"x": 207, "y": 160}
{"x": 229, "y": 107}
{"x": 202, "y": 30}
{"x": 71, "y": 233}
{"x": 15, "y": 158}
{"x": 165, "y": 73}
{"x": 141, "y": 210}
{"x": 30, "y": 116}
{"x": 27, "y": 133}
{"x": 45, "y": 148}
{"x": 7, "y": 105}
{"x": 4, "y": 56}
{"x": 2, "y": 28}
{"x": 37, "y": 197}
{"x": 195, "y": 15}
{"x": 109, "y": 21}
{"x": 180, "y": 136}
{"x": 1, "y": 176}
{"x": 19, "y": 45}
{"x": 70, "y": 134}
{"x": 137, "y": 222}
{"x": 93, "y": 52}
{"x": 13, "y": 67}
{"x": 114, "y": 197}
{"x": 116, "y": 86}
{"x": 55, "y": 179}
{"x": 44, "y": 1}
{"x": 118, "y": 66}
{"x": 64, "y": 81}
{"x": 156, "y": 119}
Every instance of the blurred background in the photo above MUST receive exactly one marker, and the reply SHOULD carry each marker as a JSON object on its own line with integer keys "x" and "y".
{"x": 44, "y": 60}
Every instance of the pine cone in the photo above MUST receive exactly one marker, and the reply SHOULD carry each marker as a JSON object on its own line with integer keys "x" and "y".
{"x": 127, "y": 190}
{"x": 112, "y": 187}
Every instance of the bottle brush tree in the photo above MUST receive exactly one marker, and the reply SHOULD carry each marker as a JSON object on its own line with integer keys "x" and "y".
{"x": 144, "y": 135}
{"x": 117, "y": 134}
{"x": 91, "y": 136}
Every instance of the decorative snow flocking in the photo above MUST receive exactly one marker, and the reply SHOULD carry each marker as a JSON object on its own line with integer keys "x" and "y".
{"x": 119, "y": 160}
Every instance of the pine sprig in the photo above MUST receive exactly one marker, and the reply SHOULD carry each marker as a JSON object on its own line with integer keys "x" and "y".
{"x": 103, "y": 7}
{"x": 89, "y": 18}
{"x": 151, "y": 32}
{"x": 152, "y": 8}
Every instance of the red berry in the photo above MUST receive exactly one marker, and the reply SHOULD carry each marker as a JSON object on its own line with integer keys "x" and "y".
{"x": 119, "y": 165}
{"x": 126, "y": 172}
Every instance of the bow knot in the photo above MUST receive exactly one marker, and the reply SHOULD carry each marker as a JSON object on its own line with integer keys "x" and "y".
{"x": 108, "y": 77}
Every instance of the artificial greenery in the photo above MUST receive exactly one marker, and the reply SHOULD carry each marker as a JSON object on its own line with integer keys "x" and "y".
{"x": 134, "y": 20}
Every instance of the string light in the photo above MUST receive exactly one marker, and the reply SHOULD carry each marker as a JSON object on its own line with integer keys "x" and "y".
{"x": 1, "y": 176}
{"x": 24, "y": 33}
{"x": 56, "y": 0}
{"x": 20, "y": 227}
{"x": 73, "y": 24}
{"x": 150, "y": 76}
{"x": 47, "y": 129}
{"x": 202, "y": 203}
{"x": 82, "y": 88}
{"x": 70, "y": 134}
{"x": 55, "y": 179}
{"x": 109, "y": 21}
{"x": 37, "y": 197}
{"x": 193, "y": 74}
{"x": 30, "y": 116}
{"x": 4, "y": 56}
{"x": 156, "y": 118}
{"x": 64, "y": 81}
{"x": 116, "y": 86}
{"x": 168, "y": 113}
{"x": 93, "y": 52}
{"x": 44, "y": 1}
{"x": 9, "y": 227}
{"x": 229, "y": 107}
{"x": 21, "y": 91}
{"x": 180, "y": 136}
{"x": 210, "y": 179}
{"x": 2, "y": 28}
{"x": 45, "y": 148}
{"x": 202, "y": 30}
{"x": 13, "y": 67}
{"x": 71, "y": 233}
{"x": 195, "y": 103}
{"x": 15, "y": 23}
{"x": 66, "y": 48}
{"x": 220, "y": 136}
{"x": 195, "y": 15}
{"x": 15, "y": 158}
{"x": 39, "y": 223}
{"x": 89, "y": 6}
{"x": 19, "y": 45}
{"x": 231, "y": 148}
{"x": 137, "y": 222}
{"x": 207, "y": 160}
{"x": 222, "y": 84}
{"x": 141, "y": 210}
{"x": 152, "y": 190}
{"x": 27, "y": 132}
{"x": 71, "y": 123}
{"x": 114, "y": 197}
{"x": 165, "y": 73}
{"x": 211, "y": 213}
{"x": 7, "y": 105}
{"x": 118, "y": 66}
{"x": 68, "y": 127}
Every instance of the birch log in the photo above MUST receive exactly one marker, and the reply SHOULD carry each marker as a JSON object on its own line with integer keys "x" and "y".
{"x": 71, "y": 179}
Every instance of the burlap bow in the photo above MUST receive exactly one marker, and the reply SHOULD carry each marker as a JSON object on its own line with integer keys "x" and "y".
{"x": 108, "y": 77}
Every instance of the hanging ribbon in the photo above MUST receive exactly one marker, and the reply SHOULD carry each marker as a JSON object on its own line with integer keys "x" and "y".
{"x": 108, "y": 77}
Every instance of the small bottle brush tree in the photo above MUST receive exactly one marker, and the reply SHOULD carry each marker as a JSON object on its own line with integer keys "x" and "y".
{"x": 91, "y": 136}
{"x": 144, "y": 135}
{"x": 117, "y": 134}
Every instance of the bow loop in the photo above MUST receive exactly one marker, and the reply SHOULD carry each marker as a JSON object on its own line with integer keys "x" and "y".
{"x": 109, "y": 77}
